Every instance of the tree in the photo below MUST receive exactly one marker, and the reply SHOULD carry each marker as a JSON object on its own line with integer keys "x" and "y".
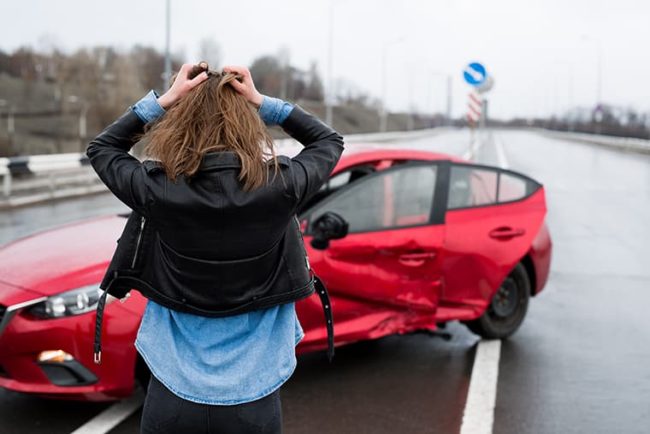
{"x": 267, "y": 73}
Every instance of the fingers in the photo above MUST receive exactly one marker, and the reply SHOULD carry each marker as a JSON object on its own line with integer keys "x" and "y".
{"x": 239, "y": 87}
{"x": 242, "y": 70}
{"x": 198, "y": 79}
{"x": 185, "y": 69}
{"x": 191, "y": 75}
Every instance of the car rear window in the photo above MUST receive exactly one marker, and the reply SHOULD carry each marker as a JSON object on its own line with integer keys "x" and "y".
{"x": 472, "y": 186}
{"x": 469, "y": 186}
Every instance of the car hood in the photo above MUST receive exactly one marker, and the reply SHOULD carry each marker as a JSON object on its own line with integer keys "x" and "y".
{"x": 61, "y": 258}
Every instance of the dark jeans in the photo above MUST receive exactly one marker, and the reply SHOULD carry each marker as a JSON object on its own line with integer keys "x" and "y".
{"x": 165, "y": 412}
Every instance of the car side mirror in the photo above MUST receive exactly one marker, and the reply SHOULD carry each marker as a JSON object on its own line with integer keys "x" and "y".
{"x": 329, "y": 226}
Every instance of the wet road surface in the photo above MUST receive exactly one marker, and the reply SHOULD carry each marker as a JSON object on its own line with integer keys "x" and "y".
{"x": 580, "y": 361}
{"x": 577, "y": 364}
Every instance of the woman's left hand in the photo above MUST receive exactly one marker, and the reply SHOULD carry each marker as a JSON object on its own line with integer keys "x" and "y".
{"x": 182, "y": 85}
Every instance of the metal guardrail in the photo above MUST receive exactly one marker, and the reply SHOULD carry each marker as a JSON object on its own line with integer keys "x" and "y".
{"x": 35, "y": 164}
{"x": 72, "y": 170}
{"x": 620, "y": 143}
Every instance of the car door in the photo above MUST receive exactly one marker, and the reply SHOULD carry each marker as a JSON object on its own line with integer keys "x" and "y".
{"x": 492, "y": 217}
{"x": 389, "y": 258}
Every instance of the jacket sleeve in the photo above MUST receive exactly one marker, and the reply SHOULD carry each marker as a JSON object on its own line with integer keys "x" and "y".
{"x": 311, "y": 168}
{"x": 123, "y": 174}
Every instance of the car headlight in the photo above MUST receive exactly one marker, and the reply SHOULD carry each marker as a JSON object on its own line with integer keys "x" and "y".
{"x": 69, "y": 303}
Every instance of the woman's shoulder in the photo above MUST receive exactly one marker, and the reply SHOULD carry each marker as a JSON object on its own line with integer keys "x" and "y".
{"x": 152, "y": 166}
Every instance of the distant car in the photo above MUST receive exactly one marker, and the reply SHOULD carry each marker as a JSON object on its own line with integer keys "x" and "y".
{"x": 405, "y": 241}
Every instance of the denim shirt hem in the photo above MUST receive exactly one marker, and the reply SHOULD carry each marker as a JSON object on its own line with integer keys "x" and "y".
{"x": 259, "y": 395}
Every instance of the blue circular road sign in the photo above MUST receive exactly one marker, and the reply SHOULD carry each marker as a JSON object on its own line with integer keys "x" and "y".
{"x": 475, "y": 74}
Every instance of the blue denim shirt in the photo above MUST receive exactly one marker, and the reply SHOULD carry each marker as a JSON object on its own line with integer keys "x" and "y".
{"x": 219, "y": 361}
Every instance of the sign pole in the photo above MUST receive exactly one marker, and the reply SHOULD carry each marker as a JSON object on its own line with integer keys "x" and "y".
{"x": 475, "y": 74}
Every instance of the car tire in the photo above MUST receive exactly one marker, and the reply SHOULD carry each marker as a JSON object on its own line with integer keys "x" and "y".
{"x": 508, "y": 307}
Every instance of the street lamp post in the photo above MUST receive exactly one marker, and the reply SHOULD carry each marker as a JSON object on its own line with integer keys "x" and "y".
{"x": 330, "y": 80}
{"x": 448, "y": 96}
{"x": 599, "y": 65}
{"x": 11, "y": 126}
{"x": 82, "y": 123}
{"x": 168, "y": 60}
{"x": 383, "y": 115}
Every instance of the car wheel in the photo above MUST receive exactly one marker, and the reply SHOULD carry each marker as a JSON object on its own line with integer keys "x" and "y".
{"x": 507, "y": 309}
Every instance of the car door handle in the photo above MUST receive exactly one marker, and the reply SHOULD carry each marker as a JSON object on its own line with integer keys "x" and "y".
{"x": 504, "y": 232}
{"x": 415, "y": 259}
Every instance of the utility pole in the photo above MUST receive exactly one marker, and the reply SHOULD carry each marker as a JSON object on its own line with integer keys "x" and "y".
{"x": 599, "y": 83}
{"x": 449, "y": 99}
{"x": 329, "y": 115}
{"x": 283, "y": 56}
{"x": 383, "y": 115}
{"x": 11, "y": 128}
{"x": 168, "y": 60}
{"x": 411, "y": 107}
{"x": 82, "y": 125}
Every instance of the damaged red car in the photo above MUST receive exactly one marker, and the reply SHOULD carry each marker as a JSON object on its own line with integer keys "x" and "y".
{"x": 404, "y": 240}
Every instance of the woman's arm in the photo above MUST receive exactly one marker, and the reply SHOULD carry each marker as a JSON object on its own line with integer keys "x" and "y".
{"x": 311, "y": 168}
{"x": 109, "y": 154}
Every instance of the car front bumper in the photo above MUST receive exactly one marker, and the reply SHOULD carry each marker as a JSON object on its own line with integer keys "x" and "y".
{"x": 24, "y": 337}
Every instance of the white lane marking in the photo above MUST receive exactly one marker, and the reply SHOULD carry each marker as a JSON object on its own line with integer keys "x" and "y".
{"x": 474, "y": 145}
{"x": 112, "y": 416}
{"x": 478, "y": 417}
{"x": 501, "y": 153}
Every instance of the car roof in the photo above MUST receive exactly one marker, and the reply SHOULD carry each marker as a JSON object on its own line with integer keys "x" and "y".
{"x": 359, "y": 153}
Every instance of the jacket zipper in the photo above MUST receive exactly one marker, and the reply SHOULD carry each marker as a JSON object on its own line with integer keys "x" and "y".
{"x": 138, "y": 241}
{"x": 302, "y": 242}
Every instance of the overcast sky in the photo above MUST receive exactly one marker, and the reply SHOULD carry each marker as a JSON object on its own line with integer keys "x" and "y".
{"x": 543, "y": 54}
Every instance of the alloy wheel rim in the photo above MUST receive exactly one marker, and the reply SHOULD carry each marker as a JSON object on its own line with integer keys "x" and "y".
{"x": 505, "y": 301}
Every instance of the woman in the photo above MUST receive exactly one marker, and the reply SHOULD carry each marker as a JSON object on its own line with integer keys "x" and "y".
{"x": 215, "y": 245}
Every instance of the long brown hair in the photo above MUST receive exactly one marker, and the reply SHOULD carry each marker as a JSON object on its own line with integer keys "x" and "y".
{"x": 212, "y": 117}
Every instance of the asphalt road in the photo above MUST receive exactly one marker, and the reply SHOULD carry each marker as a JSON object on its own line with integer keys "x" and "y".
{"x": 579, "y": 363}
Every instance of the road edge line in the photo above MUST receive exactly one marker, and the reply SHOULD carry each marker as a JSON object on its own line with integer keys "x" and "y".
{"x": 501, "y": 153}
{"x": 478, "y": 416}
{"x": 112, "y": 416}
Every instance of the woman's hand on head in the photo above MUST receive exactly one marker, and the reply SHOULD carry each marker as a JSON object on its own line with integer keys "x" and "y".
{"x": 183, "y": 84}
{"x": 246, "y": 87}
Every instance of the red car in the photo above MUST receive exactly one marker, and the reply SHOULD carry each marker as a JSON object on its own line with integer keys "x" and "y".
{"x": 414, "y": 239}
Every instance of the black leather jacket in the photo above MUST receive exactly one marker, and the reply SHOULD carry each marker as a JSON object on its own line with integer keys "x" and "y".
{"x": 204, "y": 245}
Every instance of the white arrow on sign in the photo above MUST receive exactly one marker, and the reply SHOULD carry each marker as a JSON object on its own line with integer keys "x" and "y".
{"x": 474, "y": 73}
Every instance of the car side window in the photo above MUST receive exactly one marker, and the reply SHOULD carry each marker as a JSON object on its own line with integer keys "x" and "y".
{"x": 513, "y": 187}
{"x": 391, "y": 199}
{"x": 336, "y": 182}
{"x": 471, "y": 186}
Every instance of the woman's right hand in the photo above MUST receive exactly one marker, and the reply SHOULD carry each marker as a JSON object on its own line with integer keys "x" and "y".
{"x": 246, "y": 87}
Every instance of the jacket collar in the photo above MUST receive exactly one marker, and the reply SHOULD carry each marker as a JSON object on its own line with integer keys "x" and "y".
{"x": 220, "y": 159}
